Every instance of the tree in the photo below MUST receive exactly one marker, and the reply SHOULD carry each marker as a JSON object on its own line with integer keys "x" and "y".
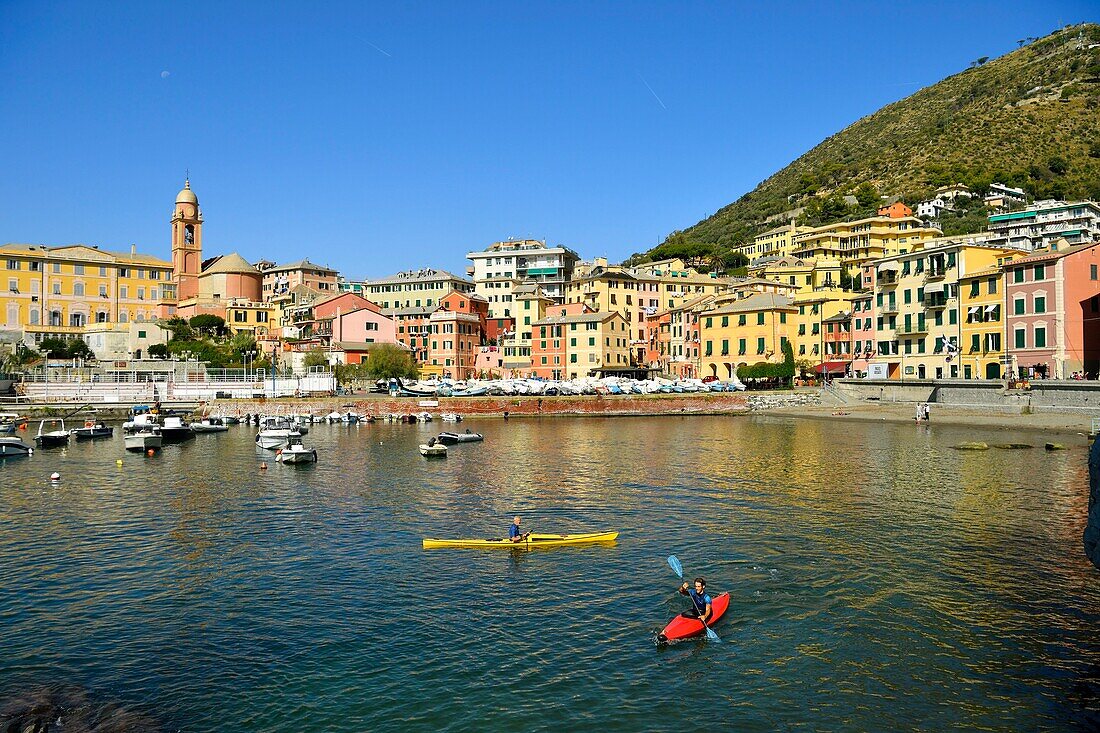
{"x": 730, "y": 260}
{"x": 54, "y": 348}
{"x": 158, "y": 351}
{"x": 209, "y": 325}
{"x": 240, "y": 344}
{"x": 387, "y": 361}
{"x": 179, "y": 328}
{"x": 78, "y": 349}
{"x": 867, "y": 196}
{"x": 315, "y": 358}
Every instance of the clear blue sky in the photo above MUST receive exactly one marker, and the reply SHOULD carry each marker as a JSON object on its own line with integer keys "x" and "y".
{"x": 376, "y": 138}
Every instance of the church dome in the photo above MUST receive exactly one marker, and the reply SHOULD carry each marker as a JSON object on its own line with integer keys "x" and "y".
{"x": 186, "y": 195}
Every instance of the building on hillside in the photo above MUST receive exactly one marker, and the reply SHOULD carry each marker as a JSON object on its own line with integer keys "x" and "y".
{"x": 1000, "y": 196}
{"x": 423, "y": 288}
{"x": 501, "y": 266}
{"x": 896, "y": 210}
{"x": 413, "y": 330}
{"x": 855, "y": 243}
{"x": 1053, "y": 320}
{"x": 953, "y": 191}
{"x": 772, "y": 244}
{"x": 55, "y": 292}
{"x": 579, "y": 344}
{"x": 744, "y": 332}
{"x": 933, "y": 208}
{"x": 1044, "y": 222}
{"x": 744, "y": 287}
{"x": 281, "y": 278}
{"x": 804, "y": 274}
{"x": 918, "y": 325}
{"x": 863, "y": 333}
{"x": 658, "y": 328}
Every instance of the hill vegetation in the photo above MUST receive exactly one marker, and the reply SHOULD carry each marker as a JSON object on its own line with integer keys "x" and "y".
{"x": 1029, "y": 119}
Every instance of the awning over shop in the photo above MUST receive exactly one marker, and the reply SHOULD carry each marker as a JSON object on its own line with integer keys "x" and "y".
{"x": 832, "y": 367}
{"x": 889, "y": 267}
{"x": 933, "y": 288}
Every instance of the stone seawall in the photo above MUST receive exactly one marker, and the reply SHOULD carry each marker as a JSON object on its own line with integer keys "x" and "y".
{"x": 530, "y": 406}
{"x": 1046, "y": 395}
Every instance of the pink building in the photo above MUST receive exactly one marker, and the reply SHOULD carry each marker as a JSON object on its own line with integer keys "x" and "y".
{"x": 1052, "y": 300}
{"x": 863, "y": 333}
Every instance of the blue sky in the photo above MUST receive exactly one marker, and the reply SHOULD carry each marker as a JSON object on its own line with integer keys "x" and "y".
{"x": 376, "y": 138}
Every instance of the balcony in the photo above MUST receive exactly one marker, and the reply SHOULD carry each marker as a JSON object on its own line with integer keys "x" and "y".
{"x": 938, "y": 300}
{"x": 913, "y": 329}
{"x": 936, "y": 273}
{"x": 889, "y": 308}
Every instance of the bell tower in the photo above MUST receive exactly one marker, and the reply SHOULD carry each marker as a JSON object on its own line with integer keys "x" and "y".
{"x": 186, "y": 242}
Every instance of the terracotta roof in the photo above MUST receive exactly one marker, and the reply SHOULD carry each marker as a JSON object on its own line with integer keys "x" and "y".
{"x": 599, "y": 317}
{"x": 231, "y": 263}
{"x": 301, "y": 265}
{"x": 758, "y": 302}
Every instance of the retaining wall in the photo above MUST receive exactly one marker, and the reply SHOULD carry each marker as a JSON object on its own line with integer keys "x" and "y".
{"x": 1049, "y": 395}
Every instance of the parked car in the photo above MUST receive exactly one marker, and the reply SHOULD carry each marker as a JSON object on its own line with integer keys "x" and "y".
{"x": 711, "y": 378}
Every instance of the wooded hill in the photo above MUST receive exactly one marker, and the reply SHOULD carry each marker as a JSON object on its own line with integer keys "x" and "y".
{"x": 1029, "y": 119}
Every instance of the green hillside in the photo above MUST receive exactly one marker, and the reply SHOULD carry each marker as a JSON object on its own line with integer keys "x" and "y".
{"x": 1029, "y": 119}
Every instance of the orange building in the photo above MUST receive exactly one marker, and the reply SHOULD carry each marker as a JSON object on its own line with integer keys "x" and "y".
{"x": 896, "y": 210}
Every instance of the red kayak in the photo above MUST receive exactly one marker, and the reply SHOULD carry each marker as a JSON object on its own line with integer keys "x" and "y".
{"x": 685, "y": 626}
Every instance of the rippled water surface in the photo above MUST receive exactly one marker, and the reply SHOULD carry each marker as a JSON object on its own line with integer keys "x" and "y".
{"x": 880, "y": 579}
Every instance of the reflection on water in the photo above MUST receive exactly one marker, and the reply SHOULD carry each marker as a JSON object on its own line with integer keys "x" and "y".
{"x": 880, "y": 579}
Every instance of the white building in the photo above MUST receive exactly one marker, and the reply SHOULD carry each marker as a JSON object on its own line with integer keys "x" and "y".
{"x": 123, "y": 341}
{"x": 502, "y": 266}
{"x": 933, "y": 208}
{"x": 1043, "y": 222}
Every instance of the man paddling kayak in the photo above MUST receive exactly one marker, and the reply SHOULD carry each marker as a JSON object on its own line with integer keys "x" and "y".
{"x": 701, "y": 607}
{"x": 514, "y": 535}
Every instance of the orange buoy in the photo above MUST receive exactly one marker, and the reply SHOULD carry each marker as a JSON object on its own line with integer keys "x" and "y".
{"x": 149, "y": 452}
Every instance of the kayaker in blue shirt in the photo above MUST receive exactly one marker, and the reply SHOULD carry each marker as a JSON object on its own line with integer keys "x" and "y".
{"x": 700, "y": 601}
{"x": 514, "y": 535}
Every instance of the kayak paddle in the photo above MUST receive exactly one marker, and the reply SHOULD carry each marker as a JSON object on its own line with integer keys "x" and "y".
{"x": 674, "y": 563}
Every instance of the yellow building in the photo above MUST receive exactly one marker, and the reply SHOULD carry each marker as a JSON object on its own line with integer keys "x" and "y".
{"x": 815, "y": 307}
{"x": 805, "y": 274}
{"x": 855, "y": 243}
{"x": 638, "y": 292}
{"x": 919, "y": 315}
{"x": 54, "y": 292}
{"x": 772, "y": 243}
{"x": 243, "y": 315}
{"x": 746, "y": 331}
{"x": 981, "y": 308}
{"x": 422, "y": 288}
{"x": 530, "y": 302}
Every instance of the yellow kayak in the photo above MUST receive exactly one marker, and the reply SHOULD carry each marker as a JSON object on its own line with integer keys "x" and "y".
{"x": 533, "y": 540}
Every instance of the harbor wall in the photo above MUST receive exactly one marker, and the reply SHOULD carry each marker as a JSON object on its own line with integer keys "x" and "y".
{"x": 1048, "y": 395}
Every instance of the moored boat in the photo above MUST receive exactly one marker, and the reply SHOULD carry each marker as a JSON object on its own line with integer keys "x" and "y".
{"x": 433, "y": 449}
{"x": 532, "y": 540}
{"x": 93, "y": 429}
{"x": 174, "y": 430}
{"x": 209, "y": 425}
{"x": 10, "y": 447}
{"x": 148, "y": 438}
{"x": 453, "y": 438}
{"x": 450, "y": 417}
{"x": 10, "y": 422}
{"x": 295, "y": 452}
{"x": 51, "y": 438}
{"x": 686, "y": 626}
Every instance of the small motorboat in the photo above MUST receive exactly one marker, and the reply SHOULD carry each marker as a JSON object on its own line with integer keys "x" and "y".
{"x": 141, "y": 417}
{"x": 93, "y": 429}
{"x": 433, "y": 449}
{"x": 209, "y": 425}
{"x": 148, "y": 438}
{"x": 10, "y": 422}
{"x": 295, "y": 452}
{"x": 467, "y": 437}
{"x": 175, "y": 430}
{"x": 11, "y": 447}
{"x": 275, "y": 432}
{"x": 51, "y": 438}
{"x": 450, "y": 417}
